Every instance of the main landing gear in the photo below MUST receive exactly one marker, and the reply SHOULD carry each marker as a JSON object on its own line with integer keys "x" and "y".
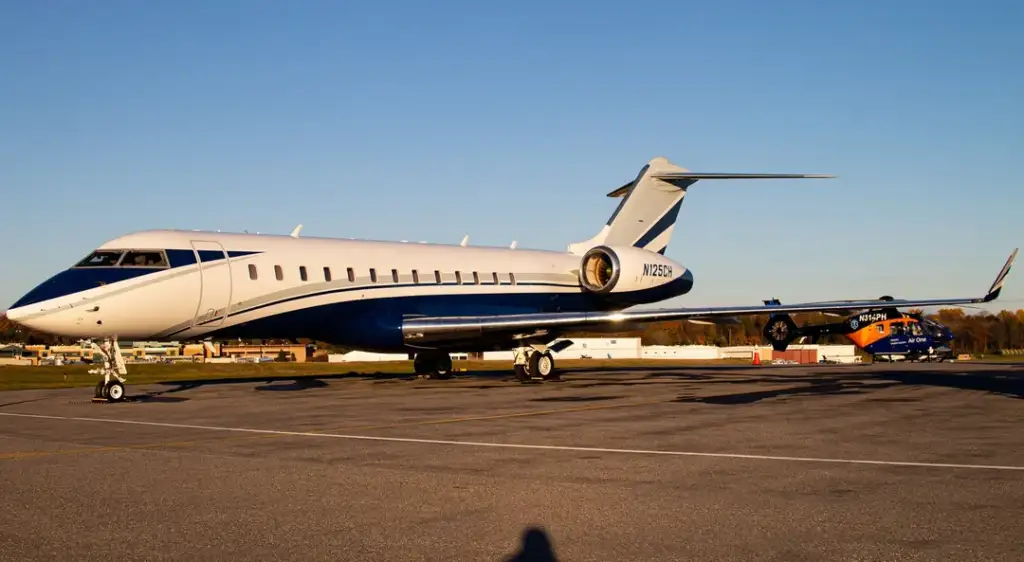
{"x": 533, "y": 365}
{"x": 111, "y": 387}
{"x": 433, "y": 364}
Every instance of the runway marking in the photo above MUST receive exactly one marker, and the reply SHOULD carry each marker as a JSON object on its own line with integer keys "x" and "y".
{"x": 525, "y": 446}
{"x": 101, "y": 449}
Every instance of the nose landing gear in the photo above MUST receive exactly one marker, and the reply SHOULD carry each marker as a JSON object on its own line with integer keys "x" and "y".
{"x": 111, "y": 387}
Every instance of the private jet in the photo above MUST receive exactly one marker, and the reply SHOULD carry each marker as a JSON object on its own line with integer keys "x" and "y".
{"x": 422, "y": 299}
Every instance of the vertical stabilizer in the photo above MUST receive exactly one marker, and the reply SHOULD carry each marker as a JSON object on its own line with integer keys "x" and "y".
{"x": 647, "y": 213}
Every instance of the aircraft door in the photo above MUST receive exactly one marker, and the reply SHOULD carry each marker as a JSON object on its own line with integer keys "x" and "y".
{"x": 899, "y": 337}
{"x": 215, "y": 285}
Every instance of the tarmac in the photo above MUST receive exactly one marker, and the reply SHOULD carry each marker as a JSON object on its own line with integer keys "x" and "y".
{"x": 822, "y": 462}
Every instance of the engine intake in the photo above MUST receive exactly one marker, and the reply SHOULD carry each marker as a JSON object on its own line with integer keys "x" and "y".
{"x": 600, "y": 270}
{"x": 633, "y": 274}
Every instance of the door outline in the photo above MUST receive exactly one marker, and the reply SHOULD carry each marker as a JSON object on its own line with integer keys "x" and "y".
{"x": 205, "y": 316}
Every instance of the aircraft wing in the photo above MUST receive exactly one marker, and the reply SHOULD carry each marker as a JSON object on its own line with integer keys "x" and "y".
{"x": 439, "y": 328}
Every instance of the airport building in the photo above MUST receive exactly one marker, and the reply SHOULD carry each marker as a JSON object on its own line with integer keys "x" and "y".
{"x": 155, "y": 352}
{"x": 581, "y": 348}
{"x": 631, "y": 348}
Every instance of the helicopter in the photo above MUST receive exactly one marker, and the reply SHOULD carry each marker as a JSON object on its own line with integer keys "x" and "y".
{"x": 885, "y": 333}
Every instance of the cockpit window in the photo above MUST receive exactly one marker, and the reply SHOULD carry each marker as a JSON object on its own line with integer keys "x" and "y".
{"x": 101, "y": 258}
{"x": 125, "y": 258}
{"x": 144, "y": 258}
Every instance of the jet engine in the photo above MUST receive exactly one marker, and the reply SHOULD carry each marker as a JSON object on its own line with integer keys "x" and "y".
{"x": 606, "y": 270}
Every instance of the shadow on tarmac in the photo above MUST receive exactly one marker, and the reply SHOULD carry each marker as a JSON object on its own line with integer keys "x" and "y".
{"x": 534, "y": 547}
{"x": 798, "y": 380}
{"x": 1004, "y": 382}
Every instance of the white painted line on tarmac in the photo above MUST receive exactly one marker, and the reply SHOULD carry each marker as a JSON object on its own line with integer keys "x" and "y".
{"x": 520, "y": 445}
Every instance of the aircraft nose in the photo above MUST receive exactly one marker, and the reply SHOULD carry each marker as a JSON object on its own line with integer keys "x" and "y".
{"x": 13, "y": 314}
{"x": 19, "y": 315}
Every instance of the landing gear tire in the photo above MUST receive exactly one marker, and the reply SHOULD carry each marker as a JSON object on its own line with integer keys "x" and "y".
{"x": 542, "y": 365}
{"x": 433, "y": 364}
{"x": 443, "y": 366}
{"x": 537, "y": 366}
{"x": 114, "y": 391}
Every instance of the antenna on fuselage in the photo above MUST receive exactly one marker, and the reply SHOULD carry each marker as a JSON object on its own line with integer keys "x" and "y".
{"x": 465, "y": 240}
{"x": 295, "y": 233}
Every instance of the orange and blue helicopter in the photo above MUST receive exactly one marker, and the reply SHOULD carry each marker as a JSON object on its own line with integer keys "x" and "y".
{"x": 885, "y": 333}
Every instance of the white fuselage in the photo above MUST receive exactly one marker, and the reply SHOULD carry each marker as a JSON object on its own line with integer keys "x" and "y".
{"x": 349, "y": 292}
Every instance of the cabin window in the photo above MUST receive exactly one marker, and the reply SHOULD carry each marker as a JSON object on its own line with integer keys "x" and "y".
{"x": 415, "y": 276}
{"x": 252, "y": 272}
{"x": 351, "y": 275}
{"x": 512, "y": 278}
{"x": 394, "y": 275}
{"x": 476, "y": 278}
{"x": 458, "y": 277}
{"x": 495, "y": 278}
{"x": 373, "y": 275}
{"x": 302, "y": 273}
{"x": 437, "y": 276}
{"x": 327, "y": 274}
{"x": 279, "y": 273}
{"x": 915, "y": 329}
{"x": 881, "y": 328}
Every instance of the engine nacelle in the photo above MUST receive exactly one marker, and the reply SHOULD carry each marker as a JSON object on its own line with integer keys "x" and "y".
{"x": 626, "y": 271}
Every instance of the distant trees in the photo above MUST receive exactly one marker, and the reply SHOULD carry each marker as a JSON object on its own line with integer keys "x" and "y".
{"x": 973, "y": 333}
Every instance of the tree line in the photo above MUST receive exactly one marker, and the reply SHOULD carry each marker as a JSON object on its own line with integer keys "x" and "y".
{"x": 981, "y": 332}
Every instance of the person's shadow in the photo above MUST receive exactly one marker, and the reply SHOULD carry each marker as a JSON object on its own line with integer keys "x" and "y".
{"x": 536, "y": 547}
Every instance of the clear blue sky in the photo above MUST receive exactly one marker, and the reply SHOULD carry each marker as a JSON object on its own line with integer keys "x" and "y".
{"x": 430, "y": 120}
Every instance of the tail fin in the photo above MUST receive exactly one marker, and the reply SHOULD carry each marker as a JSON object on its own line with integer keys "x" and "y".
{"x": 646, "y": 216}
{"x": 647, "y": 213}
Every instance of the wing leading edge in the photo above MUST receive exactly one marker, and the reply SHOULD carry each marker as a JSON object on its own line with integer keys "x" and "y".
{"x": 439, "y": 328}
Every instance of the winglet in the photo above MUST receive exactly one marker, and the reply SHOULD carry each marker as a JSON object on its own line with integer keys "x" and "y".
{"x": 997, "y": 285}
{"x": 465, "y": 240}
{"x": 295, "y": 233}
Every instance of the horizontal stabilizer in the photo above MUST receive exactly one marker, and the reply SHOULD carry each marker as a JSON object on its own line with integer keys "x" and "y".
{"x": 694, "y": 176}
{"x": 728, "y": 176}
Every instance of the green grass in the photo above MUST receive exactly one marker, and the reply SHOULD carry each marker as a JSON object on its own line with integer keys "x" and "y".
{"x": 74, "y": 376}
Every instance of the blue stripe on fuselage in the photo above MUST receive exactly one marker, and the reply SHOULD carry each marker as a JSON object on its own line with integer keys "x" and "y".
{"x": 78, "y": 279}
{"x": 554, "y": 303}
{"x": 375, "y": 324}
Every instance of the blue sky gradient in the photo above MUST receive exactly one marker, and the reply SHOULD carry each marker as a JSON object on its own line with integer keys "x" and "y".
{"x": 427, "y": 121}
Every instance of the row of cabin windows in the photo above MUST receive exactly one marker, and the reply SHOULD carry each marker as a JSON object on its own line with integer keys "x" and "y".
{"x": 279, "y": 274}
